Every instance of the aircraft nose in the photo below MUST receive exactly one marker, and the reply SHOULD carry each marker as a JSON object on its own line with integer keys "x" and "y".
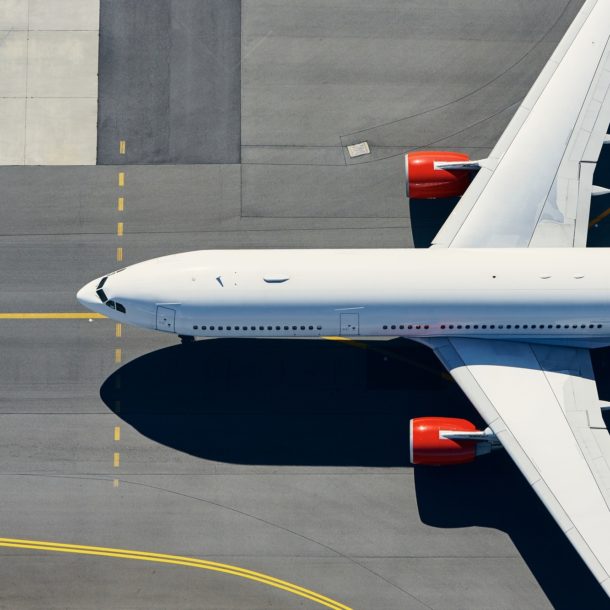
{"x": 86, "y": 295}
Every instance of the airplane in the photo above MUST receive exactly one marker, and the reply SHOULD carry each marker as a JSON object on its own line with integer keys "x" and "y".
{"x": 508, "y": 296}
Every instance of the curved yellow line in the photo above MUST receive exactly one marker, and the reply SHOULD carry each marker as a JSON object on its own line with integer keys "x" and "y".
{"x": 193, "y": 562}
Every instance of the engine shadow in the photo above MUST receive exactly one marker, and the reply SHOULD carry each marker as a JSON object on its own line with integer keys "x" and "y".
{"x": 427, "y": 217}
{"x": 317, "y": 403}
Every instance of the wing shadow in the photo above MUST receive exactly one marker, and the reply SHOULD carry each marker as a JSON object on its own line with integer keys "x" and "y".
{"x": 319, "y": 403}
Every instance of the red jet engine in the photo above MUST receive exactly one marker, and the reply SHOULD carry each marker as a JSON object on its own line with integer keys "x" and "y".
{"x": 429, "y": 445}
{"x": 426, "y": 181}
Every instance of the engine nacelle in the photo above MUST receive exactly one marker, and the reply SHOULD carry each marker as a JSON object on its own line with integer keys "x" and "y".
{"x": 425, "y": 181}
{"x": 428, "y": 446}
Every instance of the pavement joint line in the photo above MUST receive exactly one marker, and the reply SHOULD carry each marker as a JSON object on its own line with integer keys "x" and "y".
{"x": 191, "y": 562}
{"x": 121, "y": 179}
{"x": 51, "y": 315}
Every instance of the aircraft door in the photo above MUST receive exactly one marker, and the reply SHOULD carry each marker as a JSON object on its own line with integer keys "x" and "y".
{"x": 350, "y": 324}
{"x": 166, "y": 319}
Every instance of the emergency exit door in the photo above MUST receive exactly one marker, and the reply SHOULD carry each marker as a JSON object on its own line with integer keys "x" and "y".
{"x": 166, "y": 319}
{"x": 350, "y": 324}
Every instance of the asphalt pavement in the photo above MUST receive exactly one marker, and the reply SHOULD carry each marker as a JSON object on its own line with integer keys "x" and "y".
{"x": 287, "y": 458}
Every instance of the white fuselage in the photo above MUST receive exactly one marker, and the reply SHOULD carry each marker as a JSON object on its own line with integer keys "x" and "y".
{"x": 545, "y": 295}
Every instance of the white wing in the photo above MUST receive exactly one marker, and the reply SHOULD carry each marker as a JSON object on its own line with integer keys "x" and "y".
{"x": 542, "y": 403}
{"x": 535, "y": 187}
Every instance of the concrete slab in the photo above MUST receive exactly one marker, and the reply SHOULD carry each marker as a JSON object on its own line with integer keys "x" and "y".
{"x": 364, "y": 191}
{"x": 52, "y": 63}
{"x": 61, "y": 131}
{"x": 170, "y": 81}
{"x": 64, "y": 15}
{"x": 12, "y": 131}
{"x": 14, "y": 14}
{"x": 62, "y": 64}
{"x": 13, "y": 63}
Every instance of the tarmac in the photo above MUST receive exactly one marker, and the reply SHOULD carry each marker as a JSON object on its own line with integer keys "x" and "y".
{"x": 284, "y": 458}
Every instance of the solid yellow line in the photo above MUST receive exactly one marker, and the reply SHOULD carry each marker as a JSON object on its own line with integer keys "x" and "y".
{"x": 118, "y": 355}
{"x": 175, "y": 560}
{"x": 122, "y": 147}
{"x": 347, "y": 340}
{"x": 119, "y": 254}
{"x": 51, "y": 315}
{"x": 600, "y": 217}
{"x": 116, "y": 461}
{"x": 117, "y": 433}
{"x": 121, "y": 178}
{"x": 118, "y": 329}
{"x": 120, "y": 204}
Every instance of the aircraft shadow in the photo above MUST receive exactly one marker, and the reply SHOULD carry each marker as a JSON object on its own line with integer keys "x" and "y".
{"x": 317, "y": 403}
{"x": 322, "y": 403}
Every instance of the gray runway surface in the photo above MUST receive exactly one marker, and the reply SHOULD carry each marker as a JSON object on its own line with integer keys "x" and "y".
{"x": 169, "y": 81}
{"x": 283, "y": 457}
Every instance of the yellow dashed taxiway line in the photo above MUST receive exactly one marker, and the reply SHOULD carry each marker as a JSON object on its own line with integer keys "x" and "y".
{"x": 191, "y": 562}
{"x": 51, "y": 315}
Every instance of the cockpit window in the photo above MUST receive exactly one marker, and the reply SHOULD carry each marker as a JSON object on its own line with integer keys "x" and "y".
{"x": 115, "y": 305}
{"x": 102, "y": 295}
{"x": 102, "y": 282}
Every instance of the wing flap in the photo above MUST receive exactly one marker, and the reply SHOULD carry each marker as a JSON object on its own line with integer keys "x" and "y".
{"x": 538, "y": 400}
